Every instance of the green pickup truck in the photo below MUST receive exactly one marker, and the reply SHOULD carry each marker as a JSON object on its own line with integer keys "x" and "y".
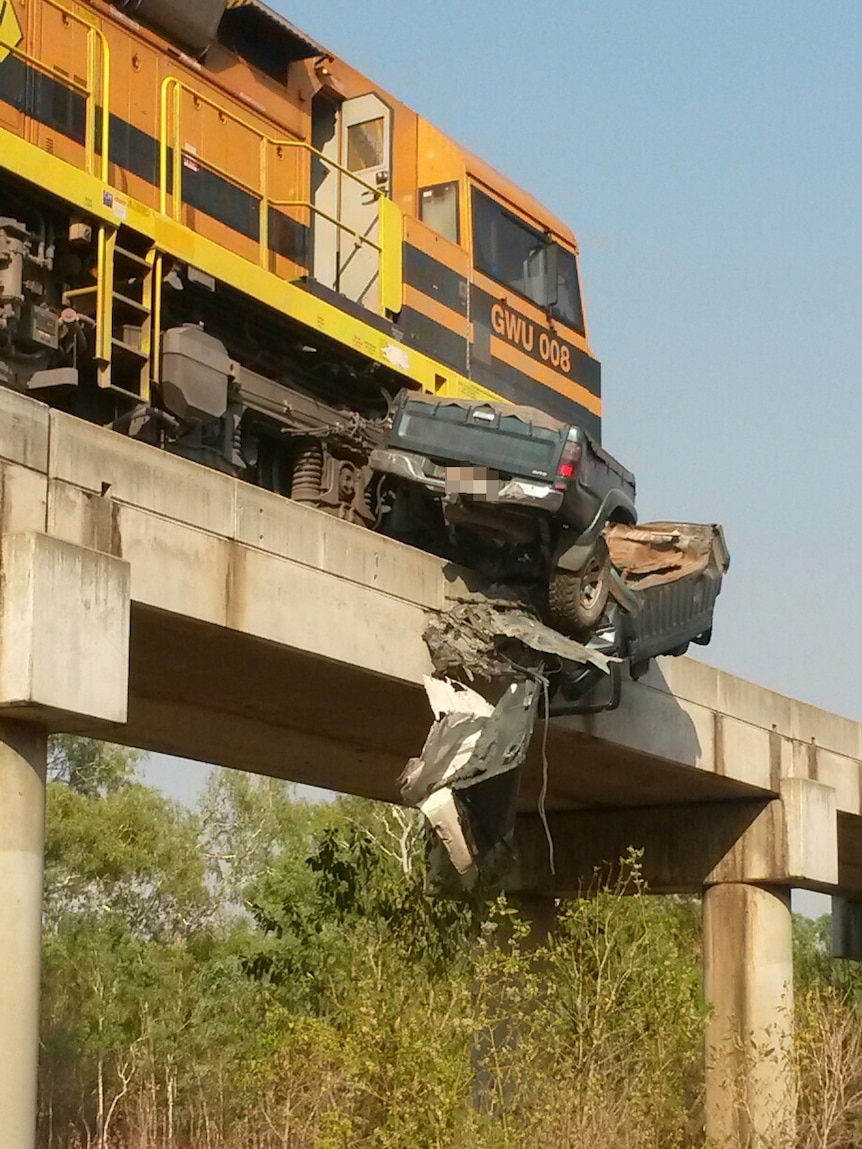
{"x": 523, "y": 497}
{"x": 535, "y": 503}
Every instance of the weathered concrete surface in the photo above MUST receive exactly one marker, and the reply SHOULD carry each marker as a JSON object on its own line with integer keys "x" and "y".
{"x": 64, "y": 632}
{"x": 688, "y": 713}
{"x": 268, "y": 636}
{"x": 23, "y": 758}
{"x": 748, "y": 981}
{"x": 789, "y": 841}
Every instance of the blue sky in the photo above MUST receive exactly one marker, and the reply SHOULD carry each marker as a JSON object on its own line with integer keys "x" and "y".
{"x": 708, "y": 157}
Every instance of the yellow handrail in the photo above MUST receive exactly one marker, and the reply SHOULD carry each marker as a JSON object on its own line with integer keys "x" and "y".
{"x": 305, "y": 203}
{"x": 95, "y": 36}
{"x": 96, "y": 40}
{"x": 170, "y": 130}
{"x": 376, "y": 192}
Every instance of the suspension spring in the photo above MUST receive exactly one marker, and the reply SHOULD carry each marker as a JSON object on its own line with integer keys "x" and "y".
{"x": 307, "y": 474}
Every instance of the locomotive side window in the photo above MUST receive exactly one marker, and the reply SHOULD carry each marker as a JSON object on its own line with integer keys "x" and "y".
{"x": 526, "y": 260}
{"x": 438, "y": 208}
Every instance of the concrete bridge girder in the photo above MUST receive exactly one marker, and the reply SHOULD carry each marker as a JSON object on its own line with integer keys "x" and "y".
{"x": 790, "y": 841}
{"x": 219, "y": 622}
{"x": 221, "y": 567}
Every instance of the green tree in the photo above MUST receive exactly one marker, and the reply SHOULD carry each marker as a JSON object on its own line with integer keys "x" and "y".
{"x": 125, "y": 891}
{"x": 252, "y": 825}
{"x": 354, "y": 878}
{"x": 90, "y": 767}
{"x": 270, "y": 972}
{"x": 115, "y": 846}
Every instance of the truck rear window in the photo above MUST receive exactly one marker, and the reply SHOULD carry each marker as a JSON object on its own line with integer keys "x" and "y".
{"x": 479, "y": 436}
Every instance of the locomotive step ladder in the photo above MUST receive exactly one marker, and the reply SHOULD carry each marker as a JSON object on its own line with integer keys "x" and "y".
{"x": 121, "y": 303}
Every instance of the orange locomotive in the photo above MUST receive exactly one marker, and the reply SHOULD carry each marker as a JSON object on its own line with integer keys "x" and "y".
{"x": 216, "y": 236}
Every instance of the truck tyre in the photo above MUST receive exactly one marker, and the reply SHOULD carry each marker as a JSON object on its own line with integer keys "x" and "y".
{"x": 577, "y": 601}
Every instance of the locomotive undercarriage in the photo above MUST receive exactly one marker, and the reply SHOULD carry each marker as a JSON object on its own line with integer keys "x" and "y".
{"x": 239, "y": 388}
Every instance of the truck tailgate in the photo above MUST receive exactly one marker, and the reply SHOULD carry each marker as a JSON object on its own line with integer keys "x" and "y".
{"x": 667, "y": 576}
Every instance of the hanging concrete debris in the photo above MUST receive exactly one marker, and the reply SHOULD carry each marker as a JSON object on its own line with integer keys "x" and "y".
{"x": 465, "y": 781}
{"x": 664, "y": 579}
{"x": 488, "y": 639}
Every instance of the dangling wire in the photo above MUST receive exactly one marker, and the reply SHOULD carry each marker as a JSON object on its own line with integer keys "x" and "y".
{"x": 541, "y": 679}
{"x": 543, "y": 793}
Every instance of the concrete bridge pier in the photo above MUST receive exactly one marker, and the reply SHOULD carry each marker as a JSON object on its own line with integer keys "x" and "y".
{"x": 23, "y": 762}
{"x": 744, "y": 857}
{"x": 64, "y": 665}
{"x": 748, "y": 982}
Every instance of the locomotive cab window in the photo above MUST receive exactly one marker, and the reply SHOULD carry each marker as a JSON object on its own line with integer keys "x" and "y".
{"x": 526, "y": 260}
{"x": 438, "y": 208}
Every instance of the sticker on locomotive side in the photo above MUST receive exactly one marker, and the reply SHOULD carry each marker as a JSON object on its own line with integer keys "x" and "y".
{"x": 397, "y": 356}
{"x": 116, "y": 203}
{"x": 522, "y": 333}
{"x": 11, "y": 33}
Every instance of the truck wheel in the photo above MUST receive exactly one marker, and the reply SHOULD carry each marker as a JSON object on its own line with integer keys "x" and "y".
{"x": 577, "y": 601}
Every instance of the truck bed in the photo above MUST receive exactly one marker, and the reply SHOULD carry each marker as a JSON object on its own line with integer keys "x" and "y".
{"x": 667, "y": 577}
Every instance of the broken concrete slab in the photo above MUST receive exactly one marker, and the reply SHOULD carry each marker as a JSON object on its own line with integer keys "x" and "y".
{"x": 500, "y": 639}
{"x": 466, "y": 778}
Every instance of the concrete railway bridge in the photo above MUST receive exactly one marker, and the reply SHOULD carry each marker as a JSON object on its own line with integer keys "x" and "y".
{"x": 158, "y": 604}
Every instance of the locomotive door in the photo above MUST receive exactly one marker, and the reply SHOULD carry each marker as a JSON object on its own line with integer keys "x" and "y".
{"x": 366, "y": 148}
